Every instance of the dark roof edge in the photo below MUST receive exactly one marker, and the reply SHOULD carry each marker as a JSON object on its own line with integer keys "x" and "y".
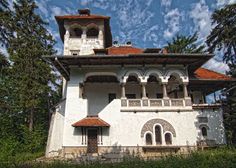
{"x": 142, "y": 54}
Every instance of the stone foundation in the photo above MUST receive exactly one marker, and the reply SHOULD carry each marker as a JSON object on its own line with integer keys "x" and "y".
{"x": 126, "y": 151}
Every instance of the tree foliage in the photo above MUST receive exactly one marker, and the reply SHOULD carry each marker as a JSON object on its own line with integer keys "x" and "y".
{"x": 223, "y": 38}
{"x": 28, "y": 85}
{"x": 185, "y": 44}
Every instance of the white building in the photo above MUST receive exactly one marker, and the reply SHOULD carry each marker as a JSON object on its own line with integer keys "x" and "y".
{"x": 122, "y": 99}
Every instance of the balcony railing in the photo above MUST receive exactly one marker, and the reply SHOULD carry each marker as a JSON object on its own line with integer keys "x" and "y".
{"x": 155, "y": 104}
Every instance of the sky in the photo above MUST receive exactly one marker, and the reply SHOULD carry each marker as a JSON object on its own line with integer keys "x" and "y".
{"x": 146, "y": 23}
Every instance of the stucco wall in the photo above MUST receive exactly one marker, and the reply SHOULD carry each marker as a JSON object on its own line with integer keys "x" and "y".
{"x": 125, "y": 129}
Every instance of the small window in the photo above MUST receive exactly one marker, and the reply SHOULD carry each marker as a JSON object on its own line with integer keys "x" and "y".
{"x": 158, "y": 135}
{"x": 204, "y": 131}
{"x": 111, "y": 97}
{"x": 168, "y": 139}
{"x": 148, "y": 139}
{"x": 92, "y": 32}
{"x": 130, "y": 96}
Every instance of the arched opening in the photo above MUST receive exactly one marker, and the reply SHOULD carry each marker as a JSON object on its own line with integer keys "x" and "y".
{"x": 133, "y": 87}
{"x": 75, "y": 32}
{"x": 174, "y": 87}
{"x": 148, "y": 139}
{"x": 92, "y": 32}
{"x": 153, "y": 87}
{"x": 168, "y": 139}
{"x": 204, "y": 131}
{"x": 158, "y": 134}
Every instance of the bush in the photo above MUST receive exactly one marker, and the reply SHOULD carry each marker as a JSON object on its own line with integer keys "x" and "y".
{"x": 9, "y": 147}
{"x": 220, "y": 158}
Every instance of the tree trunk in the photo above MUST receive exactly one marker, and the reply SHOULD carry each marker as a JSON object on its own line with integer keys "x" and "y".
{"x": 31, "y": 120}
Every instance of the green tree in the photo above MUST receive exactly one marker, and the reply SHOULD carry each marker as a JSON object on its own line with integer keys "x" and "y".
{"x": 5, "y": 20}
{"x": 223, "y": 38}
{"x": 185, "y": 44}
{"x": 33, "y": 81}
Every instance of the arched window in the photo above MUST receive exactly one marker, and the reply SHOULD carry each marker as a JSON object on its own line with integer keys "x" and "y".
{"x": 92, "y": 32}
{"x": 158, "y": 134}
{"x": 168, "y": 139}
{"x": 204, "y": 131}
{"x": 76, "y": 32}
{"x": 148, "y": 139}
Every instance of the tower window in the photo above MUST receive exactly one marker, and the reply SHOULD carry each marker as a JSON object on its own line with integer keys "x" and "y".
{"x": 92, "y": 32}
{"x": 76, "y": 32}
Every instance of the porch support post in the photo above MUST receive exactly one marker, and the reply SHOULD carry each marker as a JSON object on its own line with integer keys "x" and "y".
{"x": 164, "y": 90}
{"x": 185, "y": 90}
{"x": 144, "y": 96}
{"x": 123, "y": 90}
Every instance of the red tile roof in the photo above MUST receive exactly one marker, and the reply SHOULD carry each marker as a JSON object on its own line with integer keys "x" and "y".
{"x": 202, "y": 73}
{"x": 91, "y": 122}
{"x": 124, "y": 50}
{"x": 81, "y": 17}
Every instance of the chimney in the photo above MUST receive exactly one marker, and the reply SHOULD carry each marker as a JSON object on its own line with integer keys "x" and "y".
{"x": 129, "y": 43}
{"x": 115, "y": 43}
{"x": 84, "y": 11}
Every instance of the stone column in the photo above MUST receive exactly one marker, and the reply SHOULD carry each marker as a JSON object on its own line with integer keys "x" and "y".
{"x": 143, "y": 90}
{"x": 81, "y": 89}
{"x": 100, "y": 35}
{"x": 84, "y": 36}
{"x": 66, "y": 41}
{"x": 185, "y": 90}
{"x": 164, "y": 90}
{"x": 123, "y": 91}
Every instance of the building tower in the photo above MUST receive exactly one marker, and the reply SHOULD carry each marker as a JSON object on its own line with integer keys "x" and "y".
{"x": 84, "y": 32}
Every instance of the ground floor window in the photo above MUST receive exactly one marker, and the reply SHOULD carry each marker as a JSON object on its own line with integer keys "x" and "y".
{"x": 168, "y": 139}
{"x": 204, "y": 131}
{"x": 158, "y": 134}
{"x": 148, "y": 139}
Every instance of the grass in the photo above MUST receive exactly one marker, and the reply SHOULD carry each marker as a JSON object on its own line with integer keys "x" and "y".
{"x": 217, "y": 158}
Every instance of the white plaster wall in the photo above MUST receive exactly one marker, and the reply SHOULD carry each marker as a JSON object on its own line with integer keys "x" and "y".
{"x": 215, "y": 123}
{"x": 97, "y": 95}
{"x": 125, "y": 126}
{"x": 55, "y": 136}
{"x": 75, "y": 110}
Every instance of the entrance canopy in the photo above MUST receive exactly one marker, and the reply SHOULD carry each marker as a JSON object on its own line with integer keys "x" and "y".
{"x": 92, "y": 121}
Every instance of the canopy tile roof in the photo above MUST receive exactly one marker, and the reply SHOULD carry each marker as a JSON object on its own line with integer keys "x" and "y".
{"x": 123, "y": 50}
{"x": 202, "y": 73}
{"x": 92, "y": 121}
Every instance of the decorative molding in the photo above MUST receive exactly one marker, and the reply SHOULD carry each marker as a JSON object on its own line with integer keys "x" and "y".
{"x": 148, "y": 126}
